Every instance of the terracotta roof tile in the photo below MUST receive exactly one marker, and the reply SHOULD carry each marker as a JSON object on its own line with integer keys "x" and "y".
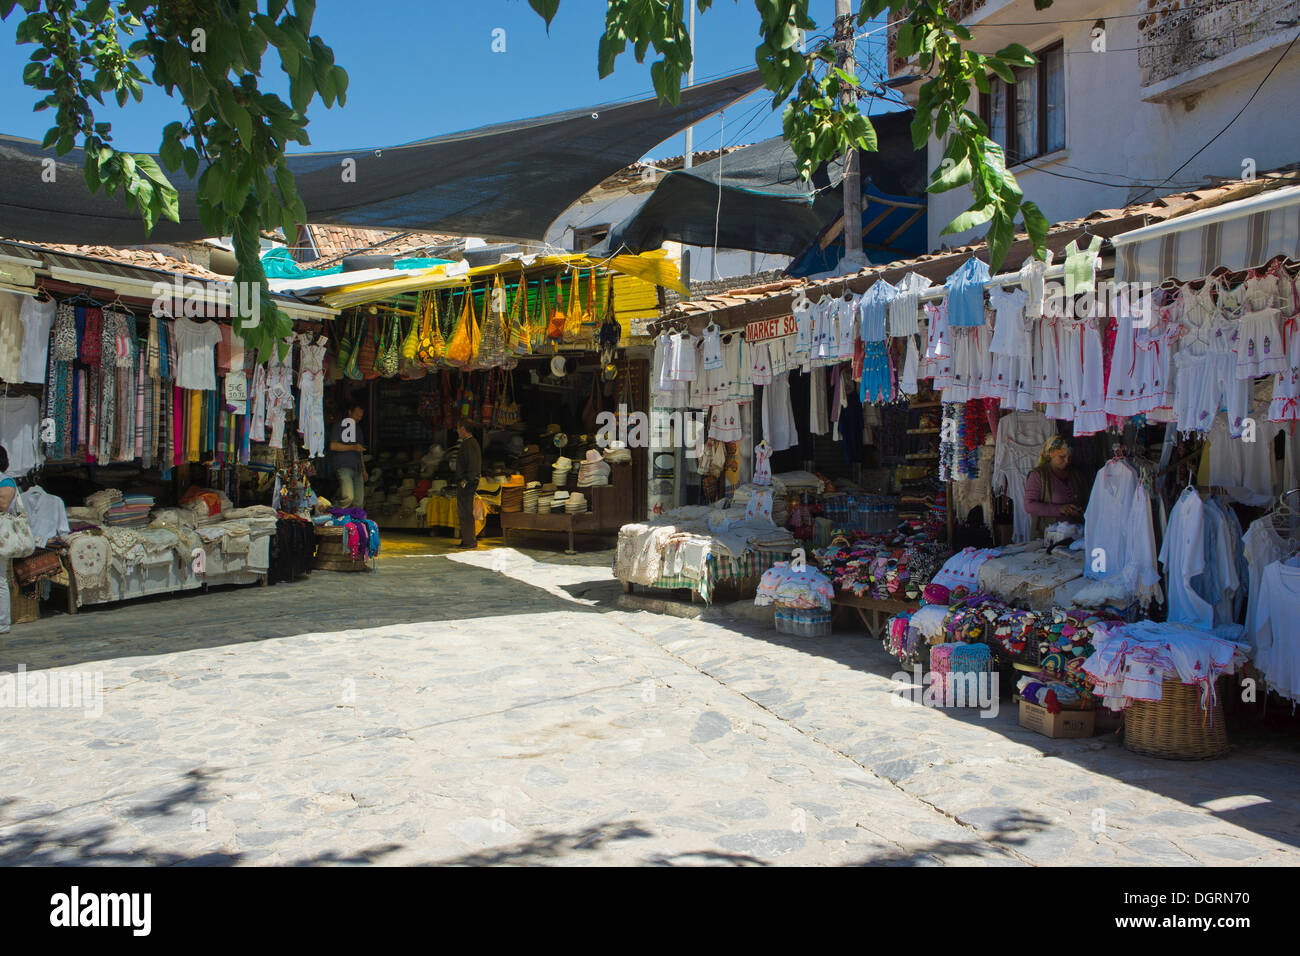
{"x": 333, "y": 242}
{"x": 141, "y": 258}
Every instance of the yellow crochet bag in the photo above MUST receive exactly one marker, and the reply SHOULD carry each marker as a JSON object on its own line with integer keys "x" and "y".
{"x": 431, "y": 347}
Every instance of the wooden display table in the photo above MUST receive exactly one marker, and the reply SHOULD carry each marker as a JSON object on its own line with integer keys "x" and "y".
{"x": 585, "y": 523}
{"x": 871, "y": 610}
{"x": 609, "y": 508}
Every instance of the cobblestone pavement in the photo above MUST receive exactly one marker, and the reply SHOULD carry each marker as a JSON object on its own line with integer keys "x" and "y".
{"x": 501, "y": 707}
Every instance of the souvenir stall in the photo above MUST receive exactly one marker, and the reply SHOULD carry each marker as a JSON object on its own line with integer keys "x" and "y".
{"x": 1148, "y": 592}
{"x": 783, "y": 409}
{"x": 534, "y": 354}
{"x": 155, "y": 453}
{"x": 1114, "y": 436}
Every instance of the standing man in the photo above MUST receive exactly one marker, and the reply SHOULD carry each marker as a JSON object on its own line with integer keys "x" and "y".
{"x": 346, "y": 450}
{"x": 469, "y": 467}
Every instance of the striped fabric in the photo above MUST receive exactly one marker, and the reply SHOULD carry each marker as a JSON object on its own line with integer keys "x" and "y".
{"x": 719, "y": 568}
{"x": 1241, "y": 235}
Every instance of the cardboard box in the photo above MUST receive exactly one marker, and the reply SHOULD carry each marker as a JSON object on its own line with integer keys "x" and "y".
{"x": 1068, "y": 723}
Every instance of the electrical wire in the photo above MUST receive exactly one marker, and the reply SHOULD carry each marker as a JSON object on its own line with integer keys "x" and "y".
{"x": 1234, "y": 119}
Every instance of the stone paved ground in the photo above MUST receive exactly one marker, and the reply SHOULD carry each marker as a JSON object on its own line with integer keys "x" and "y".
{"x": 503, "y": 707}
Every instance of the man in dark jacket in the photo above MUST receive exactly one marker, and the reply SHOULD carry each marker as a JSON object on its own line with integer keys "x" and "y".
{"x": 469, "y": 468}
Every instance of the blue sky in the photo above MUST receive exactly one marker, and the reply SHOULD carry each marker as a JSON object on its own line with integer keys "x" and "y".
{"x": 420, "y": 69}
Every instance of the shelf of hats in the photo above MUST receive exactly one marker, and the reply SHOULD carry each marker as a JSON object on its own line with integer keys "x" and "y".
{"x": 1095, "y": 481}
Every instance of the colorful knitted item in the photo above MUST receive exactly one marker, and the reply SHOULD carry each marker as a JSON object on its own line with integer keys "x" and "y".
{"x": 969, "y": 658}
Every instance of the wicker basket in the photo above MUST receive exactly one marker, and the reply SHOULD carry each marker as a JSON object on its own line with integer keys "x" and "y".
{"x": 1175, "y": 727}
{"x": 23, "y": 608}
{"x": 332, "y": 551}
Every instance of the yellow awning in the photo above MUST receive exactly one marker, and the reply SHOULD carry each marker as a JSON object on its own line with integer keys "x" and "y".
{"x": 652, "y": 267}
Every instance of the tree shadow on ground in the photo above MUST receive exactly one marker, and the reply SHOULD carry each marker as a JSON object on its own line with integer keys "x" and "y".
{"x": 1010, "y": 833}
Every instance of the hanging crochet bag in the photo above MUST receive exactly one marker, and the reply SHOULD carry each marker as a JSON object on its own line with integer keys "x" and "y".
{"x": 555, "y": 320}
{"x": 390, "y": 361}
{"x": 432, "y": 346}
{"x": 368, "y": 350}
{"x": 350, "y": 349}
{"x": 411, "y": 342}
{"x": 539, "y": 319}
{"x": 521, "y": 328}
{"x": 507, "y": 407}
{"x": 462, "y": 348}
{"x": 492, "y": 346}
{"x": 573, "y": 313}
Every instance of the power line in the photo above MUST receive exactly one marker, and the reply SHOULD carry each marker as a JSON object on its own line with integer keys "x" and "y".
{"x": 1234, "y": 119}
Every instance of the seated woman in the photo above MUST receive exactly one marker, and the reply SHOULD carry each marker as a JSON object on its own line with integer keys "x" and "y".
{"x": 1054, "y": 491}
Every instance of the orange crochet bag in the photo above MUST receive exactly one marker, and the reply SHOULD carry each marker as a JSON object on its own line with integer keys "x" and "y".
{"x": 462, "y": 348}
{"x": 555, "y": 319}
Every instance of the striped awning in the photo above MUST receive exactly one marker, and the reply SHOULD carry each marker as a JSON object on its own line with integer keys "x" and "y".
{"x": 1237, "y": 235}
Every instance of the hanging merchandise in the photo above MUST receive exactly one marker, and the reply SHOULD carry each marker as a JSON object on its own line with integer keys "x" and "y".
{"x": 540, "y": 318}
{"x": 411, "y": 341}
{"x": 966, "y": 294}
{"x": 492, "y": 347}
{"x": 388, "y": 363}
{"x": 430, "y": 347}
{"x": 487, "y": 409}
{"x": 1080, "y": 266}
{"x": 350, "y": 348}
{"x": 556, "y": 319}
{"x": 462, "y": 347}
{"x": 507, "y": 407}
{"x": 311, "y": 395}
{"x": 521, "y": 327}
{"x": 368, "y": 350}
{"x": 572, "y": 328}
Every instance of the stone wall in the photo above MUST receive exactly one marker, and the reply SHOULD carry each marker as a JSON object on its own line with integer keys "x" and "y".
{"x": 1178, "y": 35}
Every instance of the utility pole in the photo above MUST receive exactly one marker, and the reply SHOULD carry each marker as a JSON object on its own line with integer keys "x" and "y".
{"x": 690, "y": 81}
{"x": 690, "y": 138}
{"x": 844, "y": 30}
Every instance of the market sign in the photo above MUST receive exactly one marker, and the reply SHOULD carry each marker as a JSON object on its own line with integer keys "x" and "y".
{"x": 767, "y": 329}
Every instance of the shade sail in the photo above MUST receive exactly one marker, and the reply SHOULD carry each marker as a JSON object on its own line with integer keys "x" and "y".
{"x": 756, "y": 201}
{"x": 1237, "y": 235}
{"x": 510, "y": 180}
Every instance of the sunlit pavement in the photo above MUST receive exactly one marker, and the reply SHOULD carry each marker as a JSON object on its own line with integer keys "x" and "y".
{"x": 500, "y": 706}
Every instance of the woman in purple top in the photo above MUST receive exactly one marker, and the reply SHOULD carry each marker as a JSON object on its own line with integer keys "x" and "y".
{"x": 1053, "y": 490}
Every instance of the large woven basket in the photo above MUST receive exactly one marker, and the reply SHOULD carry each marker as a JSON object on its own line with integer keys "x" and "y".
{"x": 1175, "y": 727}
{"x": 24, "y": 606}
{"x": 332, "y": 551}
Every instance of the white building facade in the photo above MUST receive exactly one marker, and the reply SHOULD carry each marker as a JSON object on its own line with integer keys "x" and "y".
{"x": 1125, "y": 94}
